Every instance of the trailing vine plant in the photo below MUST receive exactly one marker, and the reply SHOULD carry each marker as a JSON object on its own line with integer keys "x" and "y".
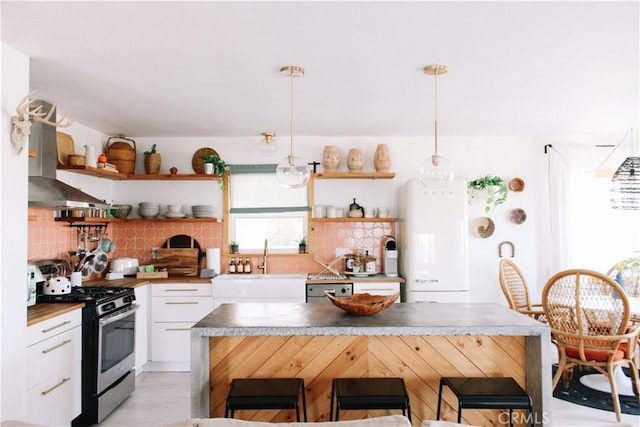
{"x": 494, "y": 186}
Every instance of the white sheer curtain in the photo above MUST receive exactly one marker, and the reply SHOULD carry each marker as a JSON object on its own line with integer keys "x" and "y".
{"x": 585, "y": 231}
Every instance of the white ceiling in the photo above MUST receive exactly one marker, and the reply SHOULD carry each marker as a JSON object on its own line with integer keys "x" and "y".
{"x": 211, "y": 68}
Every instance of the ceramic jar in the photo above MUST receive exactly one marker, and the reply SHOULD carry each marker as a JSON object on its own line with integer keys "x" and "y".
{"x": 355, "y": 160}
{"x": 382, "y": 158}
{"x": 331, "y": 158}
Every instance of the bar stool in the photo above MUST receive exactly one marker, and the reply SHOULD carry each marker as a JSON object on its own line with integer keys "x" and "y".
{"x": 487, "y": 393}
{"x": 266, "y": 393}
{"x": 369, "y": 393}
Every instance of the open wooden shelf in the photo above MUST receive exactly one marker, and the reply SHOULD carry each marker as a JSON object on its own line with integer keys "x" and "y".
{"x": 350, "y": 175}
{"x": 135, "y": 220}
{"x": 101, "y": 173}
{"x": 354, "y": 219}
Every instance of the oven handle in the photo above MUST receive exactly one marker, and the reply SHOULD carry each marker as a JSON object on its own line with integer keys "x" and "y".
{"x": 117, "y": 316}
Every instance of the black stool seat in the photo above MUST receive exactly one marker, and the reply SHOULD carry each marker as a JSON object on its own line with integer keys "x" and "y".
{"x": 266, "y": 393}
{"x": 369, "y": 393}
{"x": 487, "y": 393}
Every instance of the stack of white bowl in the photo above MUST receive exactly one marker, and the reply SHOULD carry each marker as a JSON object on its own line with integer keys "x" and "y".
{"x": 149, "y": 209}
{"x": 203, "y": 211}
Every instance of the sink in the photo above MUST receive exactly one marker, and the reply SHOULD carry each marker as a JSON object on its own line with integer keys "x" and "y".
{"x": 252, "y": 288}
{"x": 269, "y": 276}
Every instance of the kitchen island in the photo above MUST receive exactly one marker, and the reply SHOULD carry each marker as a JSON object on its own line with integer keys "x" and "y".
{"x": 419, "y": 342}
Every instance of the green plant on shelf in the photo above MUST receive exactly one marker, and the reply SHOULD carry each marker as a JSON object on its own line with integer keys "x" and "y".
{"x": 495, "y": 190}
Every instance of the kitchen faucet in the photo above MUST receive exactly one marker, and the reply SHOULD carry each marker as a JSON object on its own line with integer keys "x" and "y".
{"x": 263, "y": 267}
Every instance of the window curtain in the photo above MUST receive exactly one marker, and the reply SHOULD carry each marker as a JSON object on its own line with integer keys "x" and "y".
{"x": 585, "y": 231}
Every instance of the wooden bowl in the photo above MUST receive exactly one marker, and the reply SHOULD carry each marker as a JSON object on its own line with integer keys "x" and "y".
{"x": 363, "y": 304}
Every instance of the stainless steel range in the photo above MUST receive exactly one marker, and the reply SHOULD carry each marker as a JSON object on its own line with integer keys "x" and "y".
{"x": 108, "y": 347}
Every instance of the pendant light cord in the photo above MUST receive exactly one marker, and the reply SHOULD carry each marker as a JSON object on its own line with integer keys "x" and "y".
{"x": 291, "y": 122}
{"x": 435, "y": 80}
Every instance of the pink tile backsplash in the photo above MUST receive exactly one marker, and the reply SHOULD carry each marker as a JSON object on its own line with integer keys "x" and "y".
{"x": 53, "y": 239}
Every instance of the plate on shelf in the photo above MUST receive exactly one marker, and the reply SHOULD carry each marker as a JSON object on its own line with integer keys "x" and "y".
{"x": 360, "y": 274}
{"x": 196, "y": 161}
{"x": 175, "y": 215}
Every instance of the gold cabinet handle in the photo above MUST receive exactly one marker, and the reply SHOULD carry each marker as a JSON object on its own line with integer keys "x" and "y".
{"x": 66, "y": 322}
{"x": 177, "y": 329}
{"x": 65, "y": 342}
{"x": 64, "y": 380}
{"x": 181, "y": 302}
{"x": 181, "y": 290}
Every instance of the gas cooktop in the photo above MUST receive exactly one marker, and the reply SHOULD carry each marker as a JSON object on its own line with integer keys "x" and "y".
{"x": 95, "y": 294}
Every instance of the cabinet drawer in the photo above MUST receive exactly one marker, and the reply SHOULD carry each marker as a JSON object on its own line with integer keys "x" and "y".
{"x": 181, "y": 289}
{"x": 171, "y": 342}
{"x": 56, "y": 401}
{"x": 54, "y": 326}
{"x": 180, "y": 309}
{"x": 52, "y": 355}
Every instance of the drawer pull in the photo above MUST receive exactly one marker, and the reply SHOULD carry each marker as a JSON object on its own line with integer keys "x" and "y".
{"x": 64, "y": 380}
{"x": 181, "y": 290}
{"x": 66, "y": 322}
{"x": 178, "y": 329}
{"x": 376, "y": 289}
{"x": 182, "y": 302}
{"x": 65, "y": 342}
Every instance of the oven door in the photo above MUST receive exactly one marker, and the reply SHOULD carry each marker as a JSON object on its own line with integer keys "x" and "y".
{"x": 116, "y": 346}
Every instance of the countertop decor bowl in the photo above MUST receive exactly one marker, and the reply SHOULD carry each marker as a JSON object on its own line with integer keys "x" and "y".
{"x": 363, "y": 304}
{"x": 120, "y": 211}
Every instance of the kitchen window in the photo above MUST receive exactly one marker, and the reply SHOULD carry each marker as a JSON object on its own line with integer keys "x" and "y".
{"x": 259, "y": 209}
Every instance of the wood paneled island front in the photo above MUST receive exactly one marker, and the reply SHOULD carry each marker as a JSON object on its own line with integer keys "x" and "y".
{"x": 419, "y": 342}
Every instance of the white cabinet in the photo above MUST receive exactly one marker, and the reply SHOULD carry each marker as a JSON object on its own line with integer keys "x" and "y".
{"x": 259, "y": 288}
{"x": 377, "y": 288}
{"x": 54, "y": 356}
{"x": 175, "y": 308}
{"x": 142, "y": 327}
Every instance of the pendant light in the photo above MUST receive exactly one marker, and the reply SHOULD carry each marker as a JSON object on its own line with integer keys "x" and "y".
{"x": 436, "y": 171}
{"x": 292, "y": 171}
{"x": 625, "y": 184}
{"x": 268, "y": 144}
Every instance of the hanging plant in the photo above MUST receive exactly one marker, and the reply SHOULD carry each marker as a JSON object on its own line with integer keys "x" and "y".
{"x": 492, "y": 188}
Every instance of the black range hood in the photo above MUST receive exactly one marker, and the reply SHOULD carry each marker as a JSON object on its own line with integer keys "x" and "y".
{"x": 44, "y": 189}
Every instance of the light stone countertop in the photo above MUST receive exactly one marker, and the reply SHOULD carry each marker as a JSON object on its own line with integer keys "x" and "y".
{"x": 444, "y": 319}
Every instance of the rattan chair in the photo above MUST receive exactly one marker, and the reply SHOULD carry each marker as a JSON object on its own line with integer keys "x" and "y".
{"x": 589, "y": 318}
{"x": 515, "y": 289}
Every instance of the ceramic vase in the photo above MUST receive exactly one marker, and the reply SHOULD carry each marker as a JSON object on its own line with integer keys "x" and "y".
{"x": 331, "y": 158}
{"x": 355, "y": 160}
{"x": 382, "y": 158}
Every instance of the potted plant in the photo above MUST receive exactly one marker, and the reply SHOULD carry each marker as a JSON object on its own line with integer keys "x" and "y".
{"x": 492, "y": 188}
{"x": 302, "y": 245}
{"x": 152, "y": 161}
{"x": 233, "y": 247}
{"x": 213, "y": 164}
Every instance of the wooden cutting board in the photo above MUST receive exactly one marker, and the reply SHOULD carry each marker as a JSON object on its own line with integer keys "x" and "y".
{"x": 178, "y": 262}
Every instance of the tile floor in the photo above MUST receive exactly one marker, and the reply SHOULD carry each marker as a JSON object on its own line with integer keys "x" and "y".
{"x": 163, "y": 398}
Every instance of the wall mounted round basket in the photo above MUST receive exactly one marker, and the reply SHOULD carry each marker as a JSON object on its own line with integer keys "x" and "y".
{"x": 517, "y": 216}
{"x": 516, "y": 185}
{"x": 483, "y": 227}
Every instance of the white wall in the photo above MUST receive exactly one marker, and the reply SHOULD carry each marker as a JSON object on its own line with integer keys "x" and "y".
{"x": 13, "y": 242}
{"x": 472, "y": 157}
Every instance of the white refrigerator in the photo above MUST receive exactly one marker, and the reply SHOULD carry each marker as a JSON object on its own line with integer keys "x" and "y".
{"x": 433, "y": 255}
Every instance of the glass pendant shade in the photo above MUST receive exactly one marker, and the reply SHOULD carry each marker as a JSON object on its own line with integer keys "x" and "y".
{"x": 268, "y": 145}
{"x": 436, "y": 172}
{"x": 293, "y": 172}
{"x": 625, "y": 185}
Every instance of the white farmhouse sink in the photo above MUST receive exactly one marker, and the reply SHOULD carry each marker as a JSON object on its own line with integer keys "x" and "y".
{"x": 258, "y": 288}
